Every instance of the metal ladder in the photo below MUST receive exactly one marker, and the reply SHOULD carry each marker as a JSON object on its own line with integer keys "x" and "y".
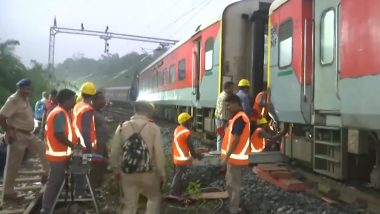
{"x": 199, "y": 120}
{"x": 330, "y": 151}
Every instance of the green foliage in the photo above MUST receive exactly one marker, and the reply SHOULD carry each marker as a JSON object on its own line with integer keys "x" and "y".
{"x": 12, "y": 70}
{"x": 194, "y": 189}
{"x": 108, "y": 71}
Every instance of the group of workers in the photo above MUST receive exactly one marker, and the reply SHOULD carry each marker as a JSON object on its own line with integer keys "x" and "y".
{"x": 241, "y": 129}
{"x": 64, "y": 126}
{"x": 69, "y": 123}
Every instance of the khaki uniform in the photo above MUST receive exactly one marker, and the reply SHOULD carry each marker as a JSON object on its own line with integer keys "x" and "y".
{"x": 147, "y": 184}
{"x": 19, "y": 116}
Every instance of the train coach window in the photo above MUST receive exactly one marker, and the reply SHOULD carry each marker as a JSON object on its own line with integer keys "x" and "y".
{"x": 172, "y": 73}
{"x": 164, "y": 79}
{"x": 209, "y": 54}
{"x": 286, "y": 43}
{"x": 328, "y": 37}
{"x": 181, "y": 70}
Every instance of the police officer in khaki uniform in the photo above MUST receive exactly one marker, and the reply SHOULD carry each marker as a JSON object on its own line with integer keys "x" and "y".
{"x": 147, "y": 183}
{"x": 16, "y": 119}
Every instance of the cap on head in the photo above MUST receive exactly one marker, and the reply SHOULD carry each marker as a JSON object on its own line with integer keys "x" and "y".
{"x": 244, "y": 83}
{"x": 142, "y": 106}
{"x": 183, "y": 117}
{"x": 88, "y": 88}
{"x": 24, "y": 82}
{"x": 262, "y": 121}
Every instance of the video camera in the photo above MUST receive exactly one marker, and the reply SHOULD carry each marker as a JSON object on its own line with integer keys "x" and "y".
{"x": 80, "y": 163}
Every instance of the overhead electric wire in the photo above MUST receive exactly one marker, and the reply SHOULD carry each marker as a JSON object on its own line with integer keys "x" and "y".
{"x": 200, "y": 10}
{"x": 202, "y": 4}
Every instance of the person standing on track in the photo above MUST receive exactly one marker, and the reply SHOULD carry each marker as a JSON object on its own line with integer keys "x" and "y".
{"x": 84, "y": 125}
{"x": 48, "y": 106}
{"x": 39, "y": 111}
{"x": 60, "y": 141}
{"x": 102, "y": 136}
{"x": 235, "y": 149}
{"x": 147, "y": 177}
{"x": 183, "y": 152}
{"x": 221, "y": 112}
{"x": 16, "y": 119}
{"x": 243, "y": 94}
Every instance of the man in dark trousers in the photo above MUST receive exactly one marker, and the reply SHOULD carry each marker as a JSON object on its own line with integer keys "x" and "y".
{"x": 183, "y": 152}
{"x": 60, "y": 139}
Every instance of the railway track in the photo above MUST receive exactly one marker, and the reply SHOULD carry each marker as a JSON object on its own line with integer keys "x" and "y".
{"x": 28, "y": 184}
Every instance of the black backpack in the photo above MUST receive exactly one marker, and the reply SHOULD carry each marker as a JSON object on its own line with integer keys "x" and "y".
{"x": 136, "y": 158}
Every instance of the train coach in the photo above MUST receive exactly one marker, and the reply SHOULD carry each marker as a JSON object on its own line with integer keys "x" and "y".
{"x": 117, "y": 95}
{"x": 190, "y": 76}
{"x": 323, "y": 79}
{"x": 321, "y": 73}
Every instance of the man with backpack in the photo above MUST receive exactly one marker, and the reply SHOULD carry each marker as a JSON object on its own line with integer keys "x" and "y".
{"x": 138, "y": 158}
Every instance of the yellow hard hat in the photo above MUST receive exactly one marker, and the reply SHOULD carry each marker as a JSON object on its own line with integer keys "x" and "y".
{"x": 262, "y": 121}
{"x": 244, "y": 82}
{"x": 79, "y": 99}
{"x": 88, "y": 88}
{"x": 183, "y": 117}
{"x": 153, "y": 106}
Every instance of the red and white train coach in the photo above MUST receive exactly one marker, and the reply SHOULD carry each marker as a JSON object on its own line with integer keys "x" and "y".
{"x": 190, "y": 76}
{"x": 324, "y": 79}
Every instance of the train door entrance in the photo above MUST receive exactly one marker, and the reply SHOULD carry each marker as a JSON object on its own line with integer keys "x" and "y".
{"x": 196, "y": 69}
{"x": 326, "y": 66}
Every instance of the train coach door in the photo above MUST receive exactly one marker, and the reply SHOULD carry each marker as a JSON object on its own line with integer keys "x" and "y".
{"x": 326, "y": 70}
{"x": 196, "y": 69}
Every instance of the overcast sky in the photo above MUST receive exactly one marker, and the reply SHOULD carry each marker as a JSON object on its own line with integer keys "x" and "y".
{"x": 29, "y": 20}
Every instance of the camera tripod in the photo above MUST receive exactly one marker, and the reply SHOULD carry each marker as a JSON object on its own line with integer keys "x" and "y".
{"x": 79, "y": 166}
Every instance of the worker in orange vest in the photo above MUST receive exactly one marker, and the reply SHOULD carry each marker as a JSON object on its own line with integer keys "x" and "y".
{"x": 235, "y": 149}
{"x": 183, "y": 152}
{"x": 83, "y": 114}
{"x": 261, "y": 135}
{"x": 60, "y": 140}
{"x": 260, "y": 109}
{"x": 84, "y": 125}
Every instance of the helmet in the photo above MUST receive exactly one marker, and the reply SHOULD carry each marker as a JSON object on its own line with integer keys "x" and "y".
{"x": 262, "y": 121}
{"x": 183, "y": 117}
{"x": 88, "y": 88}
{"x": 244, "y": 83}
{"x": 153, "y": 106}
{"x": 79, "y": 99}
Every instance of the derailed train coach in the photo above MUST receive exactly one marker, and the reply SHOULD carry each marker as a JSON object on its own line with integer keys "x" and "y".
{"x": 323, "y": 79}
{"x": 190, "y": 76}
{"x": 117, "y": 95}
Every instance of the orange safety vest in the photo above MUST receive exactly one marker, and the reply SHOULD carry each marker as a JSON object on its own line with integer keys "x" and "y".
{"x": 180, "y": 148}
{"x": 259, "y": 111}
{"x": 240, "y": 155}
{"x": 55, "y": 150}
{"x": 78, "y": 111}
{"x": 257, "y": 141}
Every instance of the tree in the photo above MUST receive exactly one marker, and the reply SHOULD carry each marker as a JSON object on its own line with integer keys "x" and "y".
{"x": 12, "y": 70}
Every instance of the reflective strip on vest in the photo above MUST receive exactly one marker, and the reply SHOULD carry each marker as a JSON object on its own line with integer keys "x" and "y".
{"x": 50, "y": 150}
{"x": 77, "y": 131}
{"x": 181, "y": 156}
{"x": 242, "y": 155}
{"x": 260, "y": 149}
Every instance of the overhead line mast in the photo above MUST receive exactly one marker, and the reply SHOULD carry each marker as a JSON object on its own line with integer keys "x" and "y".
{"x": 105, "y": 35}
